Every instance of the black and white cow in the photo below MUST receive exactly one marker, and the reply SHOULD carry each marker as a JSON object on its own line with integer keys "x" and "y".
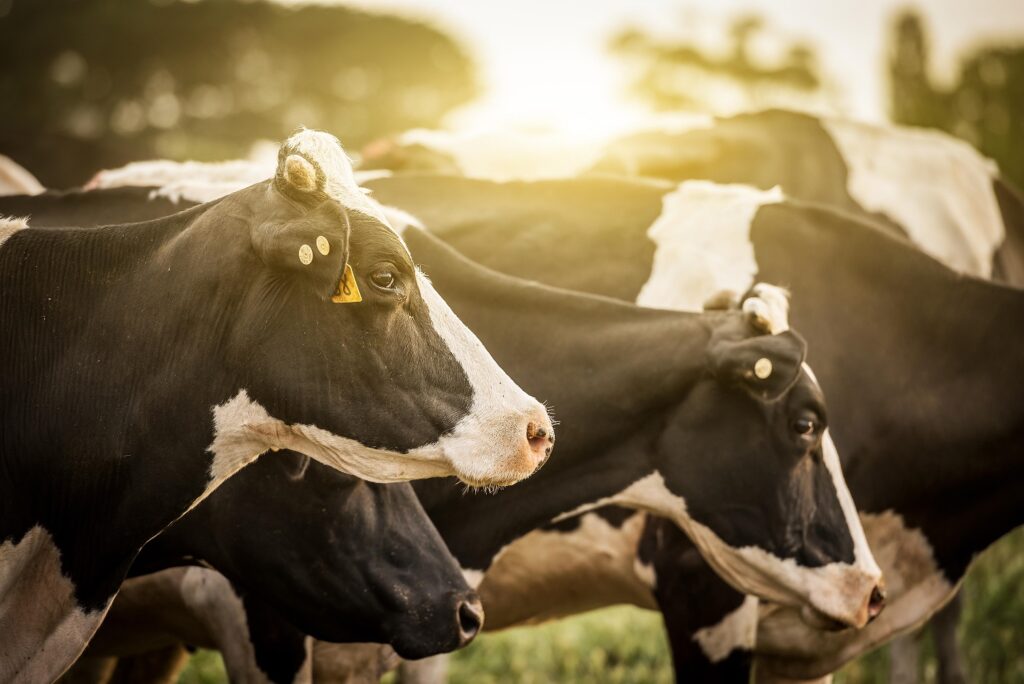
{"x": 788, "y": 581}
{"x": 915, "y": 358}
{"x": 145, "y": 364}
{"x": 634, "y": 383}
{"x": 933, "y": 188}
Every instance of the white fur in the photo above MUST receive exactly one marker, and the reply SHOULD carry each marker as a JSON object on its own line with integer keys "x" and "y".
{"x": 44, "y": 630}
{"x": 935, "y": 186}
{"x": 703, "y": 246}
{"x": 15, "y": 179}
{"x": 737, "y": 629}
{"x": 10, "y": 226}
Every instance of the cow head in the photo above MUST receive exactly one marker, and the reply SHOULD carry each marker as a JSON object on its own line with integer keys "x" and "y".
{"x": 340, "y": 348}
{"x": 760, "y": 489}
{"x": 343, "y": 559}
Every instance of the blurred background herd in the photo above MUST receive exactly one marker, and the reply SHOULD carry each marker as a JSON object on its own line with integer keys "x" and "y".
{"x": 92, "y": 85}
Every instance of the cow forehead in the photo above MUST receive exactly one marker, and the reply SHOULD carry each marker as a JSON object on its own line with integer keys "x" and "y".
{"x": 325, "y": 152}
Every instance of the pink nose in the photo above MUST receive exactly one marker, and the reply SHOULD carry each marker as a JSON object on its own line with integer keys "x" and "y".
{"x": 542, "y": 439}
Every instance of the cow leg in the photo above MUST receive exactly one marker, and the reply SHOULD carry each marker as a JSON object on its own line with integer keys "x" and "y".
{"x": 352, "y": 663}
{"x": 904, "y": 655}
{"x": 157, "y": 667}
{"x": 947, "y": 647}
{"x": 257, "y": 646}
{"x": 432, "y": 670}
{"x": 88, "y": 670}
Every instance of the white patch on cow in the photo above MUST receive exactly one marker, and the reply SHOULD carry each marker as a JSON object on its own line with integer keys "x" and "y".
{"x": 190, "y": 180}
{"x": 738, "y": 629}
{"x": 703, "y": 246}
{"x": 10, "y": 226}
{"x": 488, "y": 446}
{"x": 44, "y": 630}
{"x": 473, "y": 577}
{"x": 863, "y": 556}
{"x": 550, "y": 573}
{"x": 936, "y": 187}
{"x": 916, "y": 588}
{"x": 243, "y": 430}
{"x": 15, "y": 179}
{"x": 838, "y": 590}
{"x": 770, "y": 305}
{"x": 645, "y": 573}
{"x": 210, "y": 598}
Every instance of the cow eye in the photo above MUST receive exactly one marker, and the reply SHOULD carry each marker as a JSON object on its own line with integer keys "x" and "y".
{"x": 805, "y": 427}
{"x": 384, "y": 279}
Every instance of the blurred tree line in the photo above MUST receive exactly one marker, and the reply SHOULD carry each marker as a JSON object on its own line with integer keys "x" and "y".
{"x": 680, "y": 74}
{"x": 93, "y": 84}
{"x": 985, "y": 106}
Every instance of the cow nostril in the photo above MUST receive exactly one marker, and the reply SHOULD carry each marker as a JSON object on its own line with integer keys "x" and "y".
{"x": 471, "y": 619}
{"x": 539, "y": 437}
{"x": 876, "y": 603}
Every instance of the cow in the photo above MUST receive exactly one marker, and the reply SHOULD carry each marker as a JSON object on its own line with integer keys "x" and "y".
{"x": 477, "y": 528}
{"x": 923, "y": 184}
{"x": 909, "y": 327}
{"x": 145, "y": 364}
{"x": 341, "y": 559}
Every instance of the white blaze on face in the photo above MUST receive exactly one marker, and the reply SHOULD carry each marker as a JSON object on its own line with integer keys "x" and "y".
{"x": 703, "y": 246}
{"x": 936, "y": 187}
{"x": 44, "y": 629}
{"x": 10, "y": 226}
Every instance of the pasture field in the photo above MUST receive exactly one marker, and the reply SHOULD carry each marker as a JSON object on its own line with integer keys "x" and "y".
{"x": 627, "y": 645}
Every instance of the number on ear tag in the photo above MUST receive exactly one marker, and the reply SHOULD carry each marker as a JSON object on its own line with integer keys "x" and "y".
{"x": 348, "y": 291}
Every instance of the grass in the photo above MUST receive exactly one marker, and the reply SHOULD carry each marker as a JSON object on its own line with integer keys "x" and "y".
{"x": 625, "y": 644}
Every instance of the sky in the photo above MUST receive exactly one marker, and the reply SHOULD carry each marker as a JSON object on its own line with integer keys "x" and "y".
{"x": 538, "y": 57}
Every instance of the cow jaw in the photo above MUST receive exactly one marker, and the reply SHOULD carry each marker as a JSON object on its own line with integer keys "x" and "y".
{"x": 917, "y": 589}
{"x": 840, "y": 591}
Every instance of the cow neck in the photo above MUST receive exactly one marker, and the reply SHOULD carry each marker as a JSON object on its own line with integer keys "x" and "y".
{"x": 610, "y": 371}
{"x": 88, "y": 380}
{"x": 925, "y": 412}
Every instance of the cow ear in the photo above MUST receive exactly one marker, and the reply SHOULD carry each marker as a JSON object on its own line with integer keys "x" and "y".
{"x": 765, "y": 365}
{"x": 312, "y": 248}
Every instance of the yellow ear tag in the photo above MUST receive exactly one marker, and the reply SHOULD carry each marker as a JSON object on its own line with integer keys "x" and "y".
{"x": 348, "y": 291}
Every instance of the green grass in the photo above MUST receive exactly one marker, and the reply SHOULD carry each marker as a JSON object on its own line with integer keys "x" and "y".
{"x": 625, "y": 644}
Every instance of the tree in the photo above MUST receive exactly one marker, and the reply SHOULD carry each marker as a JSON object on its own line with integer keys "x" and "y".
{"x": 89, "y": 85}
